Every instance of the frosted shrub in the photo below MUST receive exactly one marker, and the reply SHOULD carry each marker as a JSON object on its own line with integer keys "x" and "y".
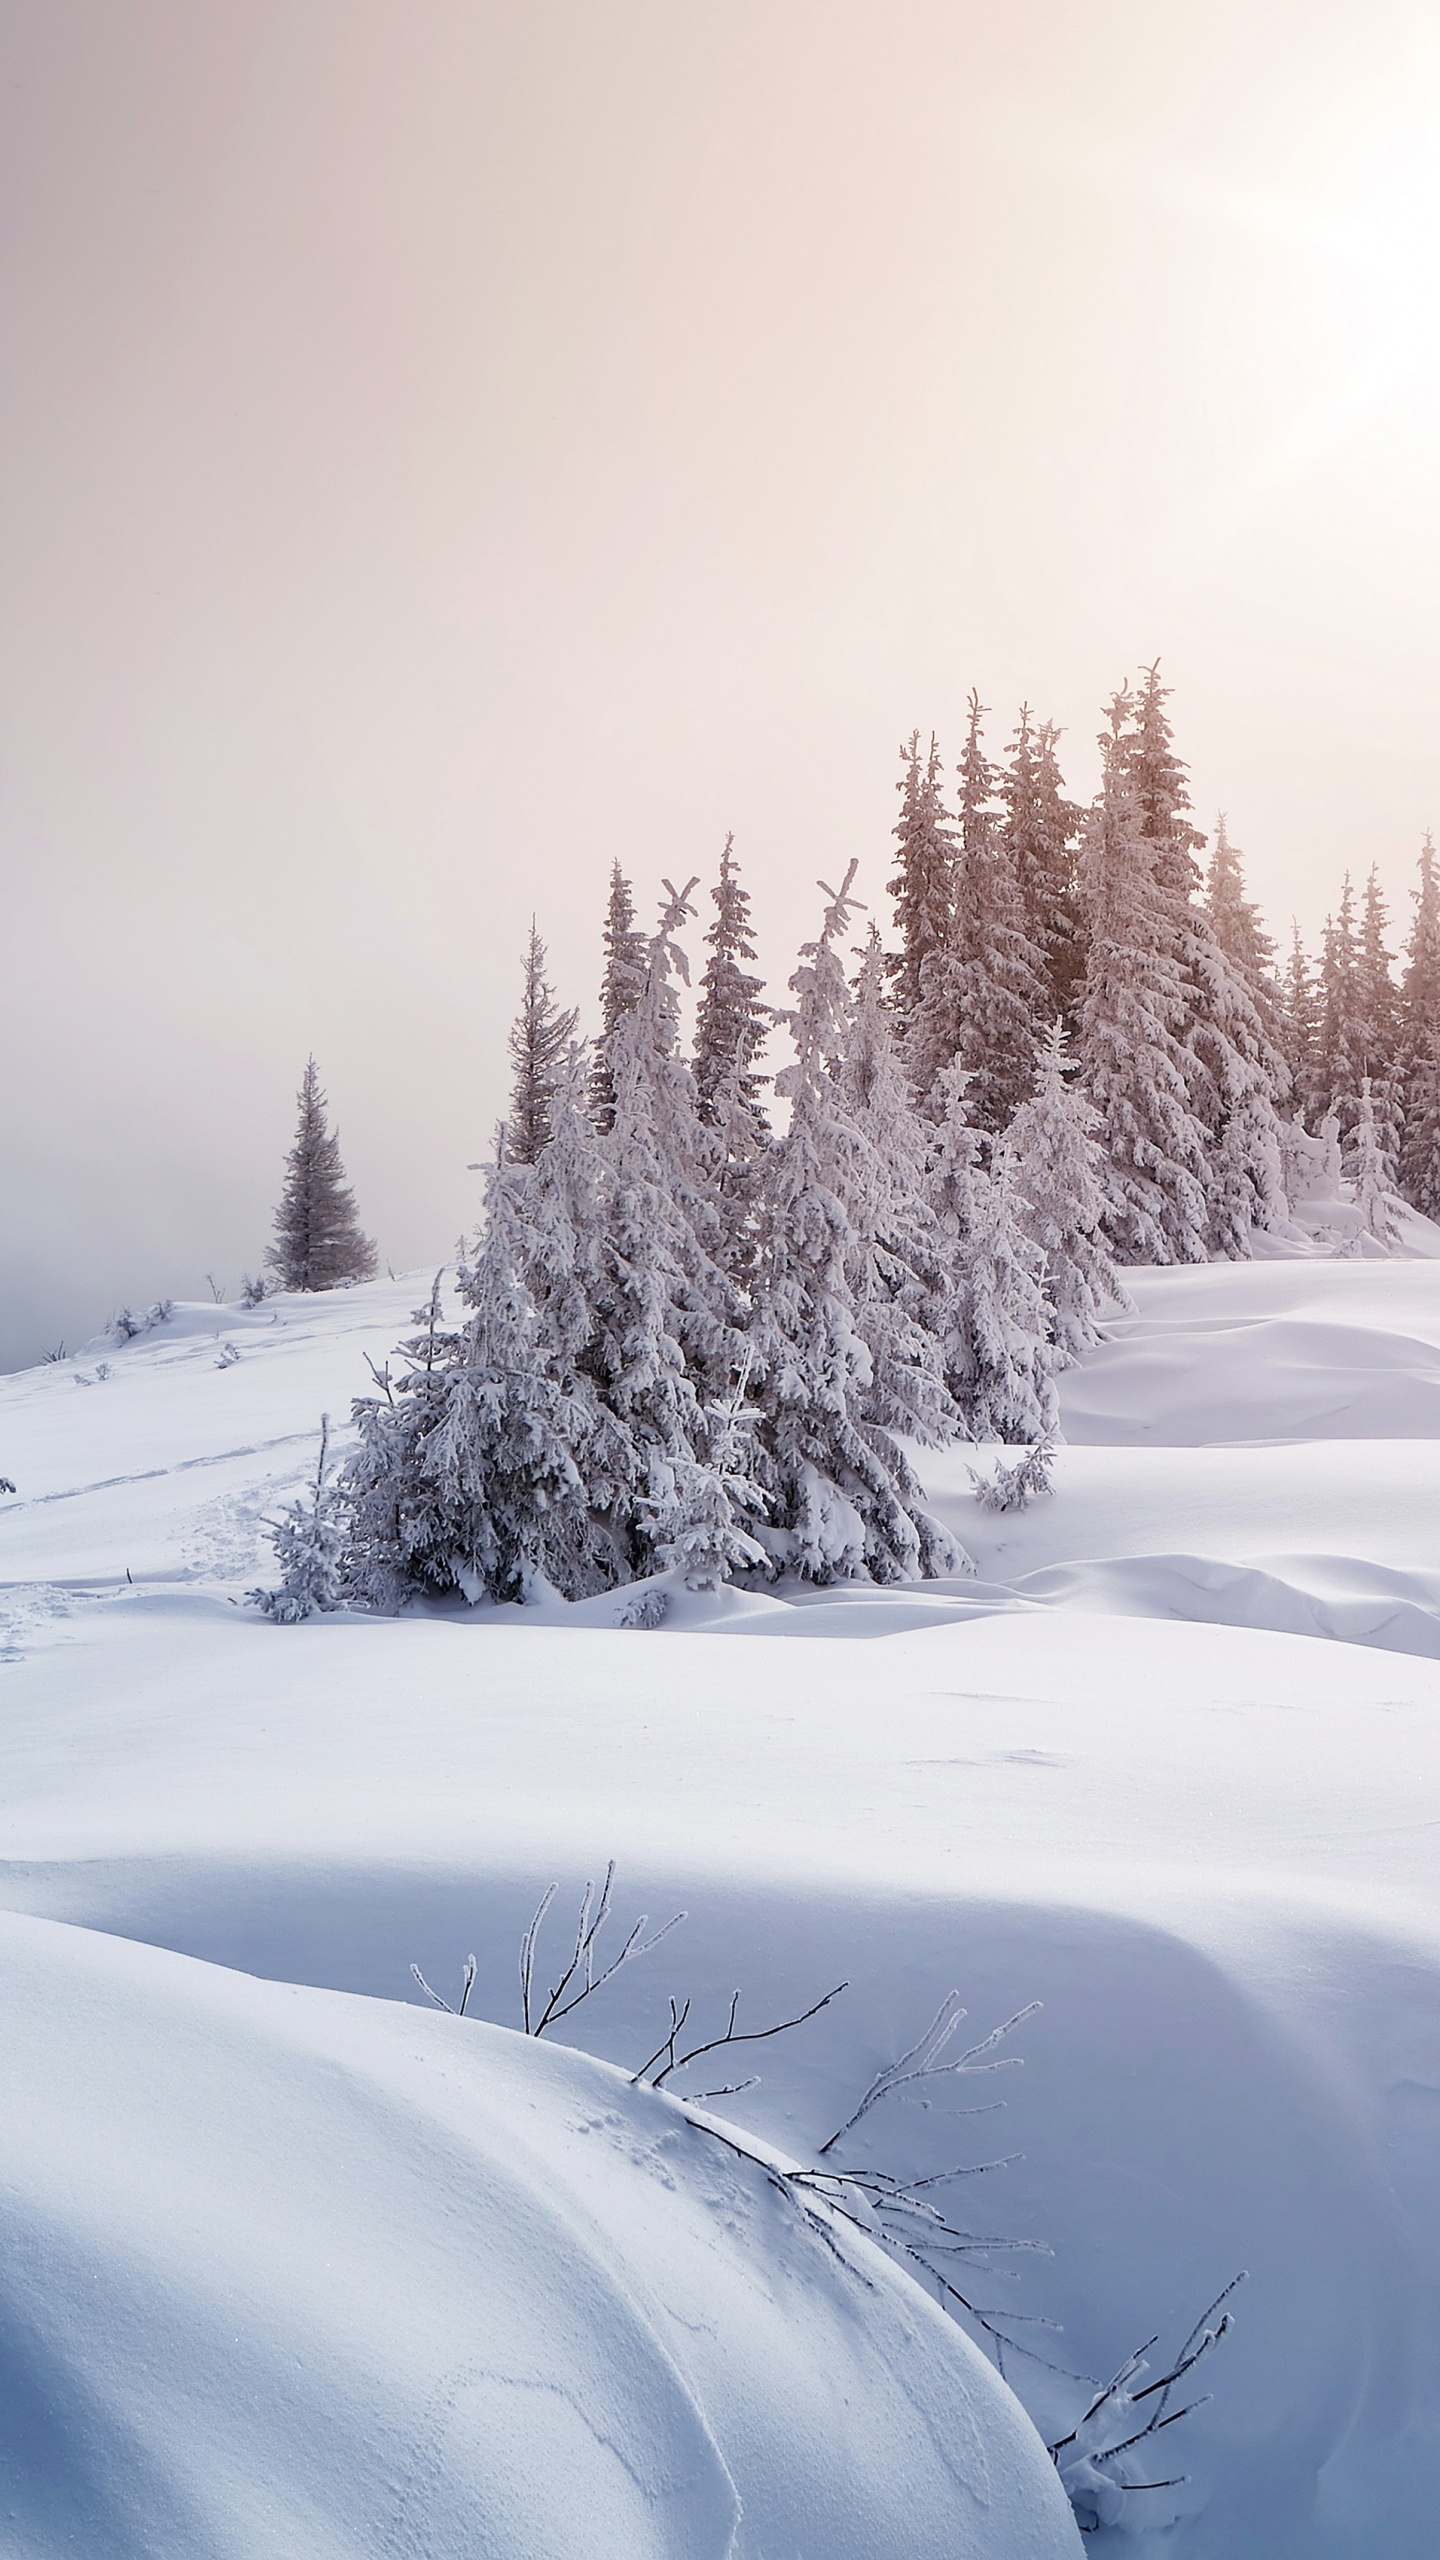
{"x": 309, "y": 1542}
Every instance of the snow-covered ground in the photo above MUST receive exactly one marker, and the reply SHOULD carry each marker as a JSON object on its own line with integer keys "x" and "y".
{"x": 288, "y": 2262}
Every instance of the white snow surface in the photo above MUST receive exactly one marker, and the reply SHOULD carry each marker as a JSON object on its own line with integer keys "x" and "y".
{"x": 287, "y": 2258}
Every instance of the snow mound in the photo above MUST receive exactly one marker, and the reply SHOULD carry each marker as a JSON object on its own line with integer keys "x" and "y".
{"x": 290, "y": 2272}
{"x": 1225, "y": 1353}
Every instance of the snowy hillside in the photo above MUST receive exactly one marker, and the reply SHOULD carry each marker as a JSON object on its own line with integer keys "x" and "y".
{"x": 1114, "y": 1772}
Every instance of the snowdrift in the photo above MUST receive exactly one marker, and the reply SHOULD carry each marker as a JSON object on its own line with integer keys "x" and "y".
{"x": 286, "y": 2272}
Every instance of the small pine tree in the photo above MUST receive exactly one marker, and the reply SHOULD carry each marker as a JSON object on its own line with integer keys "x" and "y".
{"x": 620, "y": 989}
{"x": 310, "y": 1540}
{"x": 1341, "y": 1046}
{"x": 1237, "y": 927}
{"x": 1058, "y": 1170}
{"x": 1372, "y": 1171}
{"x": 318, "y": 1243}
{"x": 1420, "y": 1003}
{"x": 540, "y": 1038}
{"x": 1380, "y": 1015}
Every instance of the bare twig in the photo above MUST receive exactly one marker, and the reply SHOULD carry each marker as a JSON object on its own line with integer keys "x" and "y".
{"x": 565, "y": 1996}
{"x": 923, "y": 2062}
{"x": 467, "y": 1981}
{"x": 753, "y": 2035}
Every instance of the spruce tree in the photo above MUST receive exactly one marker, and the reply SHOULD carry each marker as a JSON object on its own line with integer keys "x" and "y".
{"x": 923, "y": 885}
{"x": 1341, "y": 1047}
{"x": 540, "y": 1038}
{"x": 1001, "y": 977}
{"x": 1058, "y": 1175}
{"x": 1371, "y": 1169}
{"x": 620, "y": 986}
{"x": 1299, "y": 1014}
{"x": 730, "y": 1030}
{"x": 1420, "y": 1045}
{"x": 1233, "y": 1069}
{"x": 1380, "y": 1017}
{"x": 838, "y": 1365}
{"x": 1135, "y": 1018}
{"x": 318, "y": 1243}
{"x": 987, "y": 1308}
{"x": 1041, "y": 828}
{"x": 1237, "y": 925}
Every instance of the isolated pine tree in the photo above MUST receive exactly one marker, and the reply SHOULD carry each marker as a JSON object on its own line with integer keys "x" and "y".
{"x": 318, "y": 1243}
{"x": 620, "y": 985}
{"x": 923, "y": 885}
{"x": 1058, "y": 1170}
{"x": 1420, "y": 1045}
{"x": 838, "y": 1366}
{"x": 1135, "y": 1019}
{"x": 540, "y": 1038}
{"x": 1041, "y": 830}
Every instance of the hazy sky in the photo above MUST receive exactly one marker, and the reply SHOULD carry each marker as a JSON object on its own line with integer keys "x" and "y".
{"x": 448, "y": 445}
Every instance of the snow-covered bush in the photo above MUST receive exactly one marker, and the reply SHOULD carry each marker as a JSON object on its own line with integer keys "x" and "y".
{"x": 1013, "y": 1488}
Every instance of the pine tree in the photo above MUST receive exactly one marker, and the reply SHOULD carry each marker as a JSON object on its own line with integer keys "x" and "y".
{"x": 1341, "y": 1047}
{"x": 1237, "y": 925}
{"x": 1233, "y": 1070}
{"x": 1058, "y": 1176}
{"x": 839, "y": 1366}
{"x": 1372, "y": 1170}
{"x": 1002, "y": 982}
{"x": 1299, "y": 1011}
{"x": 987, "y": 1307}
{"x": 1135, "y": 1017}
{"x": 540, "y": 1038}
{"x": 473, "y": 1469}
{"x": 923, "y": 885}
{"x": 1380, "y": 1017}
{"x": 1420, "y": 1050}
{"x": 318, "y": 1243}
{"x": 620, "y": 986}
{"x": 310, "y": 1548}
{"x": 730, "y": 1031}
{"x": 673, "y": 1350}
{"x": 1041, "y": 828}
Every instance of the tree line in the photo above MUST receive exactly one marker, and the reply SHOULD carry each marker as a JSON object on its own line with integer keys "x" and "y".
{"x": 694, "y": 1342}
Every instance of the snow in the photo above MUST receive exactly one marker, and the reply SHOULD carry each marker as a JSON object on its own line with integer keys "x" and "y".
{"x": 1116, "y": 1772}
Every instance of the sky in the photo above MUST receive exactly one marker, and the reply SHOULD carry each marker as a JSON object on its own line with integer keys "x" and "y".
{"x": 445, "y": 447}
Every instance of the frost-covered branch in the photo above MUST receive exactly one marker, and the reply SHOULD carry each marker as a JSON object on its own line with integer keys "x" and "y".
{"x": 923, "y": 2061}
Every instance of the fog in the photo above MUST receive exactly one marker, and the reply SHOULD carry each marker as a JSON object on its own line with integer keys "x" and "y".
{"x": 447, "y": 447}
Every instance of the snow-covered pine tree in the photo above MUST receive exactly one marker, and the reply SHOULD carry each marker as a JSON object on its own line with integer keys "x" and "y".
{"x": 1341, "y": 1044}
{"x": 1236, "y": 1074}
{"x": 1300, "y": 1025}
{"x": 987, "y": 1308}
{"x": 1371, "y": 1170}
{"x": 1003, "y": 982}
{"x": 731, "y": 1027}
{"x": 923, "y": 885}
{"x": 1380, "y": 1015}
{"x": 309, "y": 1540}
{"x": 1135, "y": 1016}
{"x": 318, "y": 1243}
{"x": 839, "y": 1366}
{"x": 540, "y": 1039}
{"x": 1238, "y": 927}
{"x": 1041, "y": 829}
{"x": 475, "y": 1470}
{"x": 1058, "y": 1169}
{"x": 1420, "y": 1045}
{"x": 671, "y": 1351}
{"x": 620, "y": 985}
